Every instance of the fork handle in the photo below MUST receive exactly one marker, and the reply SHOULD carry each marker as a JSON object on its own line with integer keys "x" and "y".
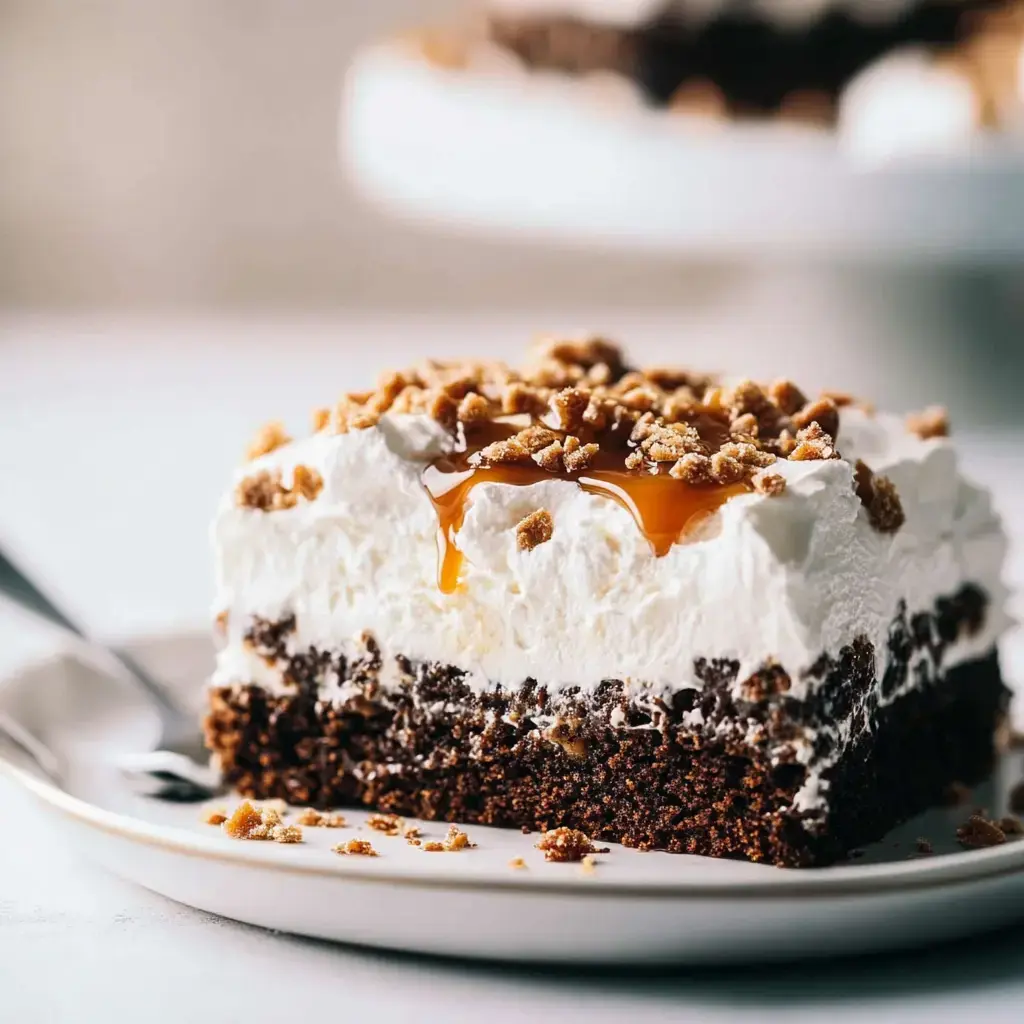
{"x": 15, "y": 584}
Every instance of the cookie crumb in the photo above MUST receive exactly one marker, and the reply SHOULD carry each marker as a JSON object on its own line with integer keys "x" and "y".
{"x": 433, "y": 847}
{"x": 266, "y": 492}
{"x": 566, "y": 844}
{"x": 535, "y": 529}
{"x": 216, "y": 816}
{"x": 245, "y": 823}
{"x": 517, "y": 863}
{"x": 456, "y": 839}
{"x": 412, "y": 832}
{"x": 769, "y": 484}
{"x": 316, "y": 819}
{"x": 929, "y": 423}
{"x": 879, "y": 497}
{"x": 389, "y": 824}
{"x": 414, "y": 842}
{"x": 356, "y": 848}
{"x": 270, "y": 437}
{"x": 924, "y": 845}
{"x": 978, "y": 832}
{"x": 589, "y": 864}
{"x": 286, "y": 834}
{"x": 1011, "y": 826}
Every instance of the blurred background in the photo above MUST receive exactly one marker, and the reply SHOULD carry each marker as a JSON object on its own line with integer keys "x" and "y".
{"x": 183, "y": 156}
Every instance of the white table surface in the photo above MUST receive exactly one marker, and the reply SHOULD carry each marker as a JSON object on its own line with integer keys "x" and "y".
{"x": 114, "y": 441}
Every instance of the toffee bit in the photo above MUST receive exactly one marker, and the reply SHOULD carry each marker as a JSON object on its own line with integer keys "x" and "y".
{"x": 787, "y": 396}
{"x": 356, "y": 848}
{"x": 812, "y": 443}
{"x": 769, "y": 484}
{"x": 569, "y": 405}
{"x": 517, "y": 863}
{"x": 246, "y": 822}
{"x": 550, "y": 458}
{"x": 216, "y": 816}
{"x": 823, "y": 412}
{"x": 270, "y": 437}
{"x": 536, "y": 529}
{"x": 879, "y": 497}
{"x": 580, "y": 457}
{"x": 389, "y": 824}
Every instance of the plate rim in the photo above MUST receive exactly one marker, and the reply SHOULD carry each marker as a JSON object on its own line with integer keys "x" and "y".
{"x": 944, "y": 871}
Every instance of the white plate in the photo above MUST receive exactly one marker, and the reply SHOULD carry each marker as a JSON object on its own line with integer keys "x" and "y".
{"x": 521, "y": 153}
{"x": 635, "y": 907}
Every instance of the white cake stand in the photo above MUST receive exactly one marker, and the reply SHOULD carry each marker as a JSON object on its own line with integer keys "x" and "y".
{"x": 525, "y": 155}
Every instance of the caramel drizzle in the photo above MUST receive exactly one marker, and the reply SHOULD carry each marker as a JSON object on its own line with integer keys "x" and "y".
{"x": 667, "y": 511}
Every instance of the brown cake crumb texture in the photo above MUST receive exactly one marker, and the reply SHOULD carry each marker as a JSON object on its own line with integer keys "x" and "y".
{"x": 536, "y": 529}
{"x": 977, "y": 831}
{"x": 356, "y": 848}
{"x": 566, "y": 844}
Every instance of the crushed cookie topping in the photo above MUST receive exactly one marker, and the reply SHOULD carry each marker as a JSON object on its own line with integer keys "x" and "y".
{"x": 584, "y": 389}
{"x": 389, "y": 824}
{"x": 879, "y": 496}
{"x": 267, "y": 492}
{"x": 252, "y": 823}
{"x": 271, "y": 437}
{"x": 929, "y": 423}
{"x": 537, "y": 528}
{"x": 355, "y": 848}
{"x": 454, "y": 841}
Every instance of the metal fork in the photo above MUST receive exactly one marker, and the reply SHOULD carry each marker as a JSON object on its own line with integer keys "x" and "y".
{"x": 179, "y": 769}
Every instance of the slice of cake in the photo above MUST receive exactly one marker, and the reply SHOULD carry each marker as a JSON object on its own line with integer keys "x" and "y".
{"x": 672, "y": 612}
{"x": 950, "y": 67}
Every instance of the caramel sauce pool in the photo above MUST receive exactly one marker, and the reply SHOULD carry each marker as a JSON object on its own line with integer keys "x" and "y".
{"x": 665, "y": 510}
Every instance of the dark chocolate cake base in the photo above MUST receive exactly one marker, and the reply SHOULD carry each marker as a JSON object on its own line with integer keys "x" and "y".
{"x": 656, "y": 775}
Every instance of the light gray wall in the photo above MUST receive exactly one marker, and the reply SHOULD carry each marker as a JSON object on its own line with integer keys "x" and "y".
{"x": 181, "y": 153}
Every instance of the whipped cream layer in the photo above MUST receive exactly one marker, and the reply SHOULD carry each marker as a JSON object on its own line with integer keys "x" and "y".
{"x": 774, "y": 579}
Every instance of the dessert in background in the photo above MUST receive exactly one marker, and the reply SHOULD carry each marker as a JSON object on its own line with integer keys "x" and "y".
{"x": 674, "y": 612}
{"x": 891, "y": 75}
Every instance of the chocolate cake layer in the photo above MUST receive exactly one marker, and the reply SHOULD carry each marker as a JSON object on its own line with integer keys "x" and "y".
{"x": 715, "y": 771}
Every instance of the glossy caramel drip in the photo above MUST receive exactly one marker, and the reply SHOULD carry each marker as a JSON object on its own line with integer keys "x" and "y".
{"x": 665, "y": 510}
